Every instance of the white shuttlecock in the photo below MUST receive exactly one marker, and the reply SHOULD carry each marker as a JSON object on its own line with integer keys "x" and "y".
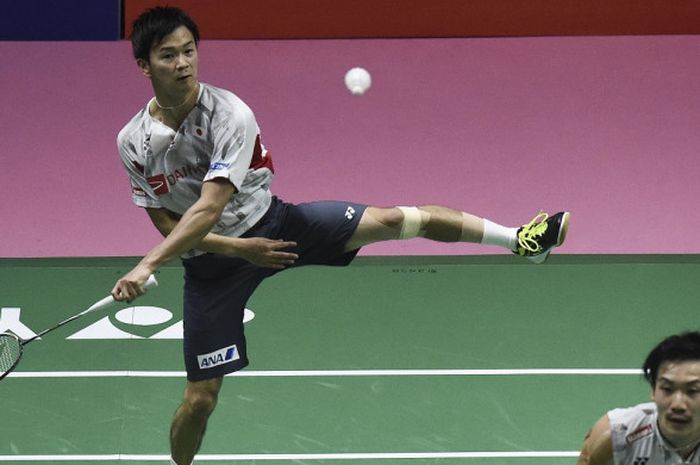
{"x": 358, "y": 80}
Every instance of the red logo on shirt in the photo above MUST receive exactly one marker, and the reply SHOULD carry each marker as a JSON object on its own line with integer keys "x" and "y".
{"x": 158, "y": 184}
{"x": 161, "y": 183}
{"x": 639, "y": 433}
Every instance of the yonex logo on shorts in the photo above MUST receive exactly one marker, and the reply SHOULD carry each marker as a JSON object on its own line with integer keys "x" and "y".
{"x": 350, "y": 213}
{"x": 219, "y": 357}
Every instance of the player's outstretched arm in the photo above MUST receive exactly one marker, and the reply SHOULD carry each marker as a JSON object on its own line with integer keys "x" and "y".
{"x": 597, "y": 447}
{"x": 260, "y": 251}
{"x": 189, "y": 231}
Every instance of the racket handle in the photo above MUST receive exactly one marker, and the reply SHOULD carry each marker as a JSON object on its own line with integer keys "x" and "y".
{"x": 151, "y": 282}
{"x": 100, "y": 304}
{"x": 109, "y": 300}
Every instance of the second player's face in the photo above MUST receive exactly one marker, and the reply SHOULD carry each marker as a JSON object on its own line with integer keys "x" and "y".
{"x": 173, "y": 62}
{"x": 677, "y": 397}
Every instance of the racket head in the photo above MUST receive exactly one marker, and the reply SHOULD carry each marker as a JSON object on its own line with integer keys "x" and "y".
{"x": 10, "y": 352}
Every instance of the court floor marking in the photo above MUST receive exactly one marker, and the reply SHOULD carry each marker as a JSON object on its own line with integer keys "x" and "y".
{"x": 334, "y": 373}
{"x": 291, "y": 457}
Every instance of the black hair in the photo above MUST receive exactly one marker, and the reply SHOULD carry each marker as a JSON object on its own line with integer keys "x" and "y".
{"x": 677, "y": 348}
{"x": 151, "y": 27}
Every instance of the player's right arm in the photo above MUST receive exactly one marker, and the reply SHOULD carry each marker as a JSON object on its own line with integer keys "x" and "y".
{"x": 260, "y": 251}
{"x": 597, "y": 447}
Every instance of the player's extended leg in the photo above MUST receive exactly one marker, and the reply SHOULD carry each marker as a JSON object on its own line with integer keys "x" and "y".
{"x": 431, "y": 222}
{"x": 533, "y": 240}
{"x": 190, "y": 421}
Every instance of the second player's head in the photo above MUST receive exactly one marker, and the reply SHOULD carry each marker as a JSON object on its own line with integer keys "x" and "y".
{"x": 673, "y": 371}
{"x": 677, "y": 348}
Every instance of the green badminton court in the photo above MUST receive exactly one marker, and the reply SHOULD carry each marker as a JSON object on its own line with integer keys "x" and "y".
{"x": 390, "y": 361}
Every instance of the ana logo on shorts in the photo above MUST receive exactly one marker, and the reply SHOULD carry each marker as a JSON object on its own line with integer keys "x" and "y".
{"x": 218, "y": 357}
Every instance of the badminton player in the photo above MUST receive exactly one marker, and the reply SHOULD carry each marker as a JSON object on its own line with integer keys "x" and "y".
{"x": 198, "y": 166}
{"x": 665, "y": 431}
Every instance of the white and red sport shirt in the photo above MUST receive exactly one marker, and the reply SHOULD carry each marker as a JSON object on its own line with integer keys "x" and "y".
{"x": 219, "y": 138}
{"x": 637, "y": 441}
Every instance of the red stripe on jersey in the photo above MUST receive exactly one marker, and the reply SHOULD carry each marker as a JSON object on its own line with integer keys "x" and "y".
{"x": 260, "y": 159}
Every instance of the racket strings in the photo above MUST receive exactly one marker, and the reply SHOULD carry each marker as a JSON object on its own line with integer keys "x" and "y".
{"x": 10, "y": 352}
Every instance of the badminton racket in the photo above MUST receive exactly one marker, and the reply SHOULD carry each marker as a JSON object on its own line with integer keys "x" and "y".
{"x": 12, "y": 346}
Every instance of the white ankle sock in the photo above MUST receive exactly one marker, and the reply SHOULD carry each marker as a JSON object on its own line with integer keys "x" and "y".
{"x": 495, "y": 234}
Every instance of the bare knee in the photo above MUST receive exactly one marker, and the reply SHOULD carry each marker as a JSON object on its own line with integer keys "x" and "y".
{"x": 383, "y": 224}
{"x": 389, "y": 217}
{"x": 201, "y": 397}
{"x": 403, "y": 222}
{"x": 200, "y": 404}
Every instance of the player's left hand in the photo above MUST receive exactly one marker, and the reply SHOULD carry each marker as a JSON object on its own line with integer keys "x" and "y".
{"x": 266, "y": 253}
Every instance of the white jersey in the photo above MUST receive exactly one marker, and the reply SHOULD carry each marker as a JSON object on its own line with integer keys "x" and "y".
{"x": 219, "y": 138}
{"x": 637, "y": 441}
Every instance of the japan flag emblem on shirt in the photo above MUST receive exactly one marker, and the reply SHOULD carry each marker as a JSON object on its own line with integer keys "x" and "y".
{"x": 199, "y": 132}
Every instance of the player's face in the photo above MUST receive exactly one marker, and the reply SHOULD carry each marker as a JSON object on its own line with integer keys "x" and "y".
{"x": 677, "y": 397}
{"x": 172, "y": 66}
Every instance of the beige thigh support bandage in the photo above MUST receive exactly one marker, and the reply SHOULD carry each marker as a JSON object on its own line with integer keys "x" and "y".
{"x": 411, "y": 222}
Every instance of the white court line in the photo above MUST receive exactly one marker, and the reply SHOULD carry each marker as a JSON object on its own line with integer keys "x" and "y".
{"x": 290, "y": 457}
{"x": 327, "y": 456}
{"x": 335, "y": 373}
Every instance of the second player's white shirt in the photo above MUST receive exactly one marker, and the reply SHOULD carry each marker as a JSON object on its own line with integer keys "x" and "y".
{"x": 637, "y": 441}
{"x": 218, "y": 139}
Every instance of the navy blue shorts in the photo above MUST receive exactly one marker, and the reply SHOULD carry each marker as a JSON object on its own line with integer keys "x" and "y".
{"x": 217, "y": 287}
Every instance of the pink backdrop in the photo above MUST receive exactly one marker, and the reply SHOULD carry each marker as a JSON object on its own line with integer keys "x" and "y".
{"x": 606, "y": 127}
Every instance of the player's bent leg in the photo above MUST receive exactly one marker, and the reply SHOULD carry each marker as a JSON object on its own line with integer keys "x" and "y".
{"x": 190, "y": 420}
